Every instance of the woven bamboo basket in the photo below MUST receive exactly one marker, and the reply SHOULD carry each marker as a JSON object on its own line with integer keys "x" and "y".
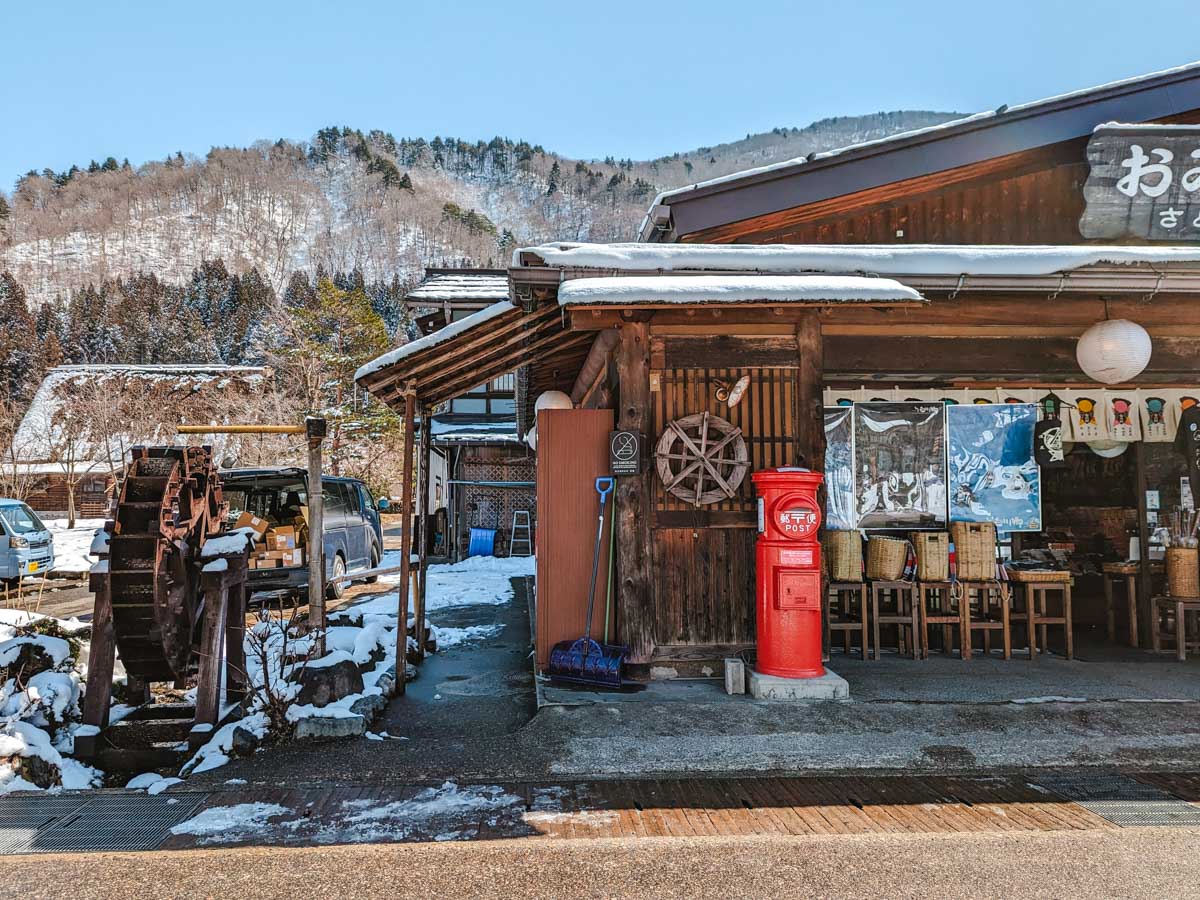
{"x": 974, "y": 550}
{"x": 843, "y": 555}
{"x": 933, "y": 555}
{"x": 1183, "y": 572}
{"x": 1039, "y": 576}
{"x": 885, "y": 558}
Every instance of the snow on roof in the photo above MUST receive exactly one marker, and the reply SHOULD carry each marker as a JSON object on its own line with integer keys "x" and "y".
{"x": 664, "y": 289}
{"x": 177, "y": 392}
{"x": 432, "y": 340}
{"x": 444, "y": 432}
{"x": 887, "y": 259}
{"x": 457, "y": 287}
{"x": 1032, "y": 105}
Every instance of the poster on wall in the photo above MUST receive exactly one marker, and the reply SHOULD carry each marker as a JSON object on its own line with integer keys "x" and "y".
{"x": 839, "y": 469}
{"x": 993, "y": 475}
{"x": 900, "y": 465}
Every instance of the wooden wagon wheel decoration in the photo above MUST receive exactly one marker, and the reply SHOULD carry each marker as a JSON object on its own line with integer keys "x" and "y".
{"x": 702, "y": 458}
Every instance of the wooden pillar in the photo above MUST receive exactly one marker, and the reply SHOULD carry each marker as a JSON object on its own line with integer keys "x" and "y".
{"x": 315, "y": 431}
{"x": 635, "y": 601}
{"x": 101, "y": 660}
{"x": 1145, "y": 579}
{"x": 810, "y": 386}
{"x": 422, "y": 531}
{"x": 406, "y": 528}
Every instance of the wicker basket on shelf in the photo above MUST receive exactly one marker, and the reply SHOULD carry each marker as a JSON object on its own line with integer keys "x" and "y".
{"x": 974, "y": 550}
{"x": 886, "y": 557}
{"x": 933, "y": 555}
{"x": 1039, "y": 576}
{"x": 843, "y": 555}
{"x": 1183, "y": 572}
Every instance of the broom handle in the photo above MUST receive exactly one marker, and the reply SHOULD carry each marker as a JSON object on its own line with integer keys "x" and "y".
{"x": 604, "y": 486}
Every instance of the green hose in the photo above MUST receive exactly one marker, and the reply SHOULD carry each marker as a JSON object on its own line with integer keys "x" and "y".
{"x": 612, "y": 540}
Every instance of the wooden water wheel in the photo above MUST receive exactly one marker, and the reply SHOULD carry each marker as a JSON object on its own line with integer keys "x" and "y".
{"x": 702, "y": 458}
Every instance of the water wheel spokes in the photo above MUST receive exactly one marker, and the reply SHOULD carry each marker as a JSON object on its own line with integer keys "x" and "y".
{"x": 694, "y": 458}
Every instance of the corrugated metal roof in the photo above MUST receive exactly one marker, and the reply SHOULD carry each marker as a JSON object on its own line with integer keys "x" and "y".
{"x": 458, "y": 287}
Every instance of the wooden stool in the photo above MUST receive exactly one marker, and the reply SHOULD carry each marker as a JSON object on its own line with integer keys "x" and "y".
{"x": 907, "y": 613}
{"x": 984, "y": 595}
{"x": 1166, "y": 609}
{"x": 845, "y": 597}
{"x": 1127, "y": 572}
{"x": 1035, "y": 616}
{"x": 937, "y": 603}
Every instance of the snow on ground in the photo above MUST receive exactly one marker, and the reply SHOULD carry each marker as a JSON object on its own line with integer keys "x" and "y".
{"x": 230, "y": 823}
{"x": 72, "y": 545}
{"x": 443, "y": 813}
{"x": 452, "y": 637}
{"x": 477, "y": 579}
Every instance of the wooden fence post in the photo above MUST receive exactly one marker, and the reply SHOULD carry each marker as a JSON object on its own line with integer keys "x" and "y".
{"x": 406, "y": 528}
{"x": 314, "y": 428}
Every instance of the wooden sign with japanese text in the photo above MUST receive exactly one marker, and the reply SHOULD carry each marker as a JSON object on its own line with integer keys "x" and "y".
{"x": 1144, "y": 183}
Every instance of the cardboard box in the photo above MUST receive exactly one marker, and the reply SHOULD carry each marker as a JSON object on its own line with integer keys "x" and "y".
{"x": 293, "y": 557}
{"x": 267, "y": 563}
{"x": 253, "y": 522}
{"x": 282, "y": 537}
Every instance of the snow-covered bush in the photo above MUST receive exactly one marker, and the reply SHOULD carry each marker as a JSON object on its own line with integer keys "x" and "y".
{"x": 40, "y": 690}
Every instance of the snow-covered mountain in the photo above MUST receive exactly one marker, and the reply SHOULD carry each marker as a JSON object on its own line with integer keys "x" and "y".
{"x": 351, "y": 200}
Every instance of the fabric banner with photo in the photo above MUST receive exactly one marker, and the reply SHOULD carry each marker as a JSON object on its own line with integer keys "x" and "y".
{"x": 839, "y": 469}
{"x": 900, "y": 464}
{"x": 993, "y": 475}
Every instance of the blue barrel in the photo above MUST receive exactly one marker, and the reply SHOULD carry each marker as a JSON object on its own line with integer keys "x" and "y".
{"x": 483, "y": 542}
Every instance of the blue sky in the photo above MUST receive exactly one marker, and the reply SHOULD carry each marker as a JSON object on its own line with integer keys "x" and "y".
{"x": 141, "y": 79}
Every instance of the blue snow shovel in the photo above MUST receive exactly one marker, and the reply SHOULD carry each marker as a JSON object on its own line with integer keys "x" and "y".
{"x": 585, "y": 661}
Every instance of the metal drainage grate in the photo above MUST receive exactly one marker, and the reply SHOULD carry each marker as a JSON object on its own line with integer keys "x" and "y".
{"x": 82, "y": 822}
{"x": 1124, "y": 801}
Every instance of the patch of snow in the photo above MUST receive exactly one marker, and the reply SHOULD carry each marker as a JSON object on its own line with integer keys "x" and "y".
{"x": 230, "y": 822}
{"x": 664, "y": 290}
{"x": 453, "y": 637}
{"x": 75, "y": 548}
{"x": 226, "y": 544}
{"x": 161, "y": 785}
{"x": 143, "y": 781}
{"x": 55, "y": 648}
{"x": 26, "y": 740}
{"x": 216, "y": 752}
{"x": 235, "y": 781}
{"x": 1051, "y": 699}
{"x": 216, "y": 565}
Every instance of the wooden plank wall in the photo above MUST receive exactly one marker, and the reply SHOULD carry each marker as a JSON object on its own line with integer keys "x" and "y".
{"x": 572, "y": 453}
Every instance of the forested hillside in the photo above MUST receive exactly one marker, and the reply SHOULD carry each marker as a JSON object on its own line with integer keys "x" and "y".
{"x": 349, "y": 200}
{"x": 297, "y": 254}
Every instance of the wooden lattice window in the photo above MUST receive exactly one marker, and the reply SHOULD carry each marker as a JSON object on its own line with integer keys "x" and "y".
{"x": 766, "y": 416}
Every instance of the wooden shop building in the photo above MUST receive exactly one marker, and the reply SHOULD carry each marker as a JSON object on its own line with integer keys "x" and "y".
{"x": 962, "y": 261}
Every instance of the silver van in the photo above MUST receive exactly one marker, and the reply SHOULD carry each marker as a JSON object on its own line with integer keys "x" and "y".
{"x": 26, "y": 546}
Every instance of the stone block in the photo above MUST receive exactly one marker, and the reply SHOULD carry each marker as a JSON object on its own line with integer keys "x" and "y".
{"x": 735, "y": 676}
{"x": 323, "y": 728}
{"x": 322, "y": 685}
{"x": 829, "y": 686}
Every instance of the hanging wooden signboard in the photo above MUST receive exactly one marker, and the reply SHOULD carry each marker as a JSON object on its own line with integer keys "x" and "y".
{"x": 1144, "y": 182}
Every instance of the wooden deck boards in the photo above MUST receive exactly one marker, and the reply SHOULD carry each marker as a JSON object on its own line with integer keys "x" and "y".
{"x": 730, "y": 806}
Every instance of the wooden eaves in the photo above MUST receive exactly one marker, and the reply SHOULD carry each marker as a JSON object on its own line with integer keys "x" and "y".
{"x": 509, "y": 342}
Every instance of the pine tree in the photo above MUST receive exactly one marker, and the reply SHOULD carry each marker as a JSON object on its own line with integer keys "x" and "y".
{"x": 555, "y": 175}
{"x": 20, "y": 358}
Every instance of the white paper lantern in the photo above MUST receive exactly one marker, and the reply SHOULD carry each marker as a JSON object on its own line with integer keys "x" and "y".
{"x": 1108, "y": 449}
{"x": 1113, "y": 351}
{"x": 552, "y": 400}
{"x": 531, "y": 438}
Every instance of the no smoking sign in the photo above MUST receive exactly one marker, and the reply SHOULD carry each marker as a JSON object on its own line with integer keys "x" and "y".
{"x": 624, "y": 453}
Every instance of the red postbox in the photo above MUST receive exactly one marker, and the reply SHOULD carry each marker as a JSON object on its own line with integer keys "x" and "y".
{"x": 789, "y": 573}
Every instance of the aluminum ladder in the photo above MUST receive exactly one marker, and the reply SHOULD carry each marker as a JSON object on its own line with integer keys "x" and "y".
{"x": 521, "y": 534}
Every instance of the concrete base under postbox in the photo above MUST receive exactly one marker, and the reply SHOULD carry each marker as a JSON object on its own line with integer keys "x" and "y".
{"x": 829, "y": 686}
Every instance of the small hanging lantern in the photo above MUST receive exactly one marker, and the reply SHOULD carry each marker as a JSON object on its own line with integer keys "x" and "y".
{"x": 1113, "y": 351}
{"x": 552, "y": 400}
